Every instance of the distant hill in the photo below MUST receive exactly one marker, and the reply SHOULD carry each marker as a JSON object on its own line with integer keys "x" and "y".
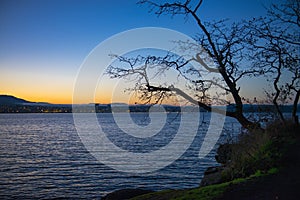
{"x": 10, "y": 100}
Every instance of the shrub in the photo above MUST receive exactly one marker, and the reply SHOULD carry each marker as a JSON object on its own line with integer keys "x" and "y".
{"x": 256, "y": 151}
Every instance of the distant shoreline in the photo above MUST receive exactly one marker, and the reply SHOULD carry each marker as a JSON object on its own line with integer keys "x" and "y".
{"x": 11, "y": 104}
{"x": 110, "y": 108}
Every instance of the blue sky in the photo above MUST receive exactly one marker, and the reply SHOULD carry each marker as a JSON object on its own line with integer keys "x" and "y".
{"x": 44, "y": 42}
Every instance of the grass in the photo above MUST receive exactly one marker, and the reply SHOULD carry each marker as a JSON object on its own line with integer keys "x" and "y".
{"x": 201, "y": 193}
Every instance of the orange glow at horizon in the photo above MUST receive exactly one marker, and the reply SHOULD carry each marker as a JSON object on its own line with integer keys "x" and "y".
{"x": 57, "y": 87}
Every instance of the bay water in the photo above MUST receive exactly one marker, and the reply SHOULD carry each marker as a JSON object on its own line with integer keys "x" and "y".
{"x": 43, "y": 157}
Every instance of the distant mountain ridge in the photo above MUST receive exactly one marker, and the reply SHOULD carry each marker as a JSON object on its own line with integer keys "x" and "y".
{"x": 10, "y": 100}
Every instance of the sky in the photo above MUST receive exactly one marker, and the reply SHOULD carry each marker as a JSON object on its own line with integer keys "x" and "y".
{"x": 44, "y": 43}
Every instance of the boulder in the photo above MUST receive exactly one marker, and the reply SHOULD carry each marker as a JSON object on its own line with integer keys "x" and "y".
{"x": 213, "y": 175}
{"x": 224, "y": 153}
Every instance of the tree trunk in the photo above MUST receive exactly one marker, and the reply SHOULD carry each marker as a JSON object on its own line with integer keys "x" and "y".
{"x": 295, "y": 106}
{"x": 249, "y": 125}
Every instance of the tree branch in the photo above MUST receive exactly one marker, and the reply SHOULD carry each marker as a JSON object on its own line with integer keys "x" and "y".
{"x": 152, "y": 88}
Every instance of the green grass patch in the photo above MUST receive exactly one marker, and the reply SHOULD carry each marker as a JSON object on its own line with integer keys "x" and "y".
{"x": 273, "y": 170}
{"x": 200, "y": 193}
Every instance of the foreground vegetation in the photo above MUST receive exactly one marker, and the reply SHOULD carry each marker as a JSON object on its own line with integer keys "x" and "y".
{"x": 201, "y": 193}
{"x": 258, "y": 150}
{"x": 256, "y": 155}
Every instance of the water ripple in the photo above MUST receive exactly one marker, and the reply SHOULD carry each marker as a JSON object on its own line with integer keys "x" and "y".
{"x": 42, "y": 157}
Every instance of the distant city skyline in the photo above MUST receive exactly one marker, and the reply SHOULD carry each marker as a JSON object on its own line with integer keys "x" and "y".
{"x": 44, "y": 43}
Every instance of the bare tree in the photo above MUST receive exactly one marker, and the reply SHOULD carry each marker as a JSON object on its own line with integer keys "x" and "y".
{"x": 275, "y": 45}
{"x": 224, "y": 44}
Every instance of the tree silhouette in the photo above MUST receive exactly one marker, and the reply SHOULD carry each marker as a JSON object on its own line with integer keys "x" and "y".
{"x": 275, "y": 44}
{"x": 228, "y": 46}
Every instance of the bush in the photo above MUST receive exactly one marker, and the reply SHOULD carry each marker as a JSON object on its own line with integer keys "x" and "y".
{"x": 256, "y": 151}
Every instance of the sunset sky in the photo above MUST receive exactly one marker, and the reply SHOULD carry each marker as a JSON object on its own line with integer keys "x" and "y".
{"x": 44, "y": 43}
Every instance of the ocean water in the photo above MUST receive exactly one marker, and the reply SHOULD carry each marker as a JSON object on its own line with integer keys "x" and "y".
{"x": 42, "y": 156}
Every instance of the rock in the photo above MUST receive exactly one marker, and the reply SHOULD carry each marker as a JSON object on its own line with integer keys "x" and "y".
{"x": 224, "y": 153}
{"x": 212, "y": 175}
{"x": 125, "y": 194}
